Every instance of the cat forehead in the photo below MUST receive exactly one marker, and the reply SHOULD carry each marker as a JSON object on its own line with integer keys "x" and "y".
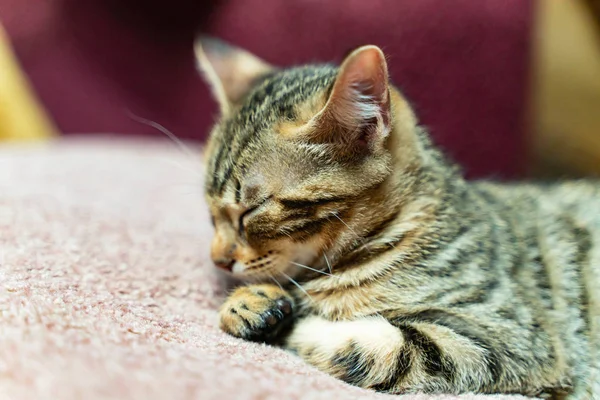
{"x": 276, "y": 98}
{"x": 249, "y": 135}
{"x": 276, "y": 95}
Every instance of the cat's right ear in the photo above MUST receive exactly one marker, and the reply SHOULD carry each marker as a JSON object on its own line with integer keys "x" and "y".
{"x": 356, "y": 117}
{"x": 230, "y": 71}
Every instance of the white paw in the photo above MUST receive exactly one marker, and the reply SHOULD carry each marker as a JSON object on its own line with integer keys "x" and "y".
{"x": 363, "y": 352}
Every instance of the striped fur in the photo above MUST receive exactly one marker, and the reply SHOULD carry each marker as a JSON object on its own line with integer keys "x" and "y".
{"x": 402, "y": 276}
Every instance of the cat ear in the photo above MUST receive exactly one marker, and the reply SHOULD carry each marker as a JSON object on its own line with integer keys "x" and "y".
{"x": 357, "y": 112}
{"x": 229, "y": 71}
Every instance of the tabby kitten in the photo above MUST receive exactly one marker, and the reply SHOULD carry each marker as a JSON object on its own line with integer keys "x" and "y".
{"x": 373, "y": 259}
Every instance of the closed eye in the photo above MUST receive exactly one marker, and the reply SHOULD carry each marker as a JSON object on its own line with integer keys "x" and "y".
{"x": 241, "y": 224}
{"x": 241, "y": 227}
{"x": 305, "y": 203}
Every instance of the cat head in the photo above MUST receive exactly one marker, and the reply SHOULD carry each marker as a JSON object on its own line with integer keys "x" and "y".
{"x": 293, "y": 157}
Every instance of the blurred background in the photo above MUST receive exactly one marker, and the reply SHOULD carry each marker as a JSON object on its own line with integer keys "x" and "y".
{"x": 509, "y": 88}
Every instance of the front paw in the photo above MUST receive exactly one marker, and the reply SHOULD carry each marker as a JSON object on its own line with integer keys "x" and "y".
{"x": 257, "y": 312}
{"x": 364, "y": 352}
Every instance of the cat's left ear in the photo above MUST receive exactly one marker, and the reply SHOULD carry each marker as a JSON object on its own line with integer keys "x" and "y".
{"x": 356, "y": 115}
{"x": 230, "y": 71}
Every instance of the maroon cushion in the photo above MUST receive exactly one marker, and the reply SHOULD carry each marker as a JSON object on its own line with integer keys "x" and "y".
{"x": 463, "y": 64}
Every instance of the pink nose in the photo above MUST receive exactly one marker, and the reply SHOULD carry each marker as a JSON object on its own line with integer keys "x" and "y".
{"x": 224, "y": 263}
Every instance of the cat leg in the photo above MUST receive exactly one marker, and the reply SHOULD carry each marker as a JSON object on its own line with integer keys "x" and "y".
{"x": 373, "y": 352}
{"x": 363, "y": 352}
{"x": 257, "y": 312}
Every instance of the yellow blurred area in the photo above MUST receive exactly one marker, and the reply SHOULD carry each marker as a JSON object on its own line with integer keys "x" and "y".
{"x": 21, "y": 116}
{"x": 565, "y": 117}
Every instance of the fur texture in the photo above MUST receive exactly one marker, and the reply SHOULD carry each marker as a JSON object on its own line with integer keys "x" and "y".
{"x": 401, "y": 276}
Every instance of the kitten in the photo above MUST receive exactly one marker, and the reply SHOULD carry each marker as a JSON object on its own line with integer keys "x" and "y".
{"x": 373, "y": 259}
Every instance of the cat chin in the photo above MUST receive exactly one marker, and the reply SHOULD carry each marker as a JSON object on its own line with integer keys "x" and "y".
{"x": 305, "y": 254}
{"x": 279, "y": 274}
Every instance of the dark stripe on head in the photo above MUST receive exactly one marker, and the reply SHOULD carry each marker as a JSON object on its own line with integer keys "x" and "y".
{"x": 255, "y": 122}
{"x": 274, "y": 96}
{"x": 224, "y": 178}
{"x": 306, "y": 229}
{"x": 301, "y": 213}
{"x": 228, "y": 133}
{"x": 306, "y": 203}
{"x": 299, "y": 232}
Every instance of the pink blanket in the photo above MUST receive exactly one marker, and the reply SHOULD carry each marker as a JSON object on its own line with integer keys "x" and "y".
{"x": 106, "y": 289}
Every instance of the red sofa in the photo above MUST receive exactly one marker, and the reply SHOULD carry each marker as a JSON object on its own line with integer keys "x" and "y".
{"x": 464, "y": 64}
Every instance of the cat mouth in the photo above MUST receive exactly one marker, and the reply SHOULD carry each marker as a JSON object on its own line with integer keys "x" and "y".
{"x": 274, "y": 264}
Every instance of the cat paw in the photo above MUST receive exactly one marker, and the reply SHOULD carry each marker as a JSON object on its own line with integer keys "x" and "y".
{"x": 362, "y": 352}
{"x": 257, "y": 312}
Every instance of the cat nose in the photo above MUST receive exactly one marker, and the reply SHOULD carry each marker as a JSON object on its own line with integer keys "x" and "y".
{"x": 224, "y": 263}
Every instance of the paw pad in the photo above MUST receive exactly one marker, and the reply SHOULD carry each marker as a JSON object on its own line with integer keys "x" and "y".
{"x": 257, "y": 314}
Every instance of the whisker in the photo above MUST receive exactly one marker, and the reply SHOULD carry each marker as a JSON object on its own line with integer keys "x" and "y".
{"x": 175, "y": 163}
{"x": 309, "y": 268}
{"x": 185, "y": 149}
{"x": 276, "y": 281}
{"x": 285, "y": 233}
{"x": 297, "y": 285}
{"x": 362, "y": 240}
{"x": 343, "y": 222}
{"x": 327, "y": 261}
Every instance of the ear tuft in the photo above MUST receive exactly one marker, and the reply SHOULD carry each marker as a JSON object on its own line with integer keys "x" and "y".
{"x": 357, "y": 112}
{"x": 230, "y": 71}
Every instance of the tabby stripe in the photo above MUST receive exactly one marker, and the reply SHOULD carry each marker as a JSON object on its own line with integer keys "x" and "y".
{"x": 526, "y": 244}
{"x": 241, "y": 142}
{"x": 584, "y": 245}
{"x": 435, "y": 363}
{"x": 254, "y": 116}
{"x": 224, "y": 178}
{"x": 302, "y": 213}
{"x": 307, "y": 229}
{"x": 462, "y": 327}
{"x": 485, "y": 290}
{"x": 487, "y": 196}
{"x": 358, "y": 257}
{"x": 224, "y": 150}
{"x": 212, "y": 188}
{"x": 477, "y": 296}
{"x": 381, "y": 226}
{"x": 353, "y": 362}
{"x": 364, "y": 253}
{"x": 289, "y": 93}
{"x": 401, "y": 368}
{"x": 541, "y": 276}
{"x": 238, "y": 191}
{"x": 297, "y": 233}
{"x": 306, "y": 203}
{"x": 446, "y": 267}
{"x": 244, "y": 141}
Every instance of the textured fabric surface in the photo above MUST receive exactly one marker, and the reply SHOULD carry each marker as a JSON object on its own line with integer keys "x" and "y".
{"x": 106, "y": 288}
{"x": 464, "y": 63}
